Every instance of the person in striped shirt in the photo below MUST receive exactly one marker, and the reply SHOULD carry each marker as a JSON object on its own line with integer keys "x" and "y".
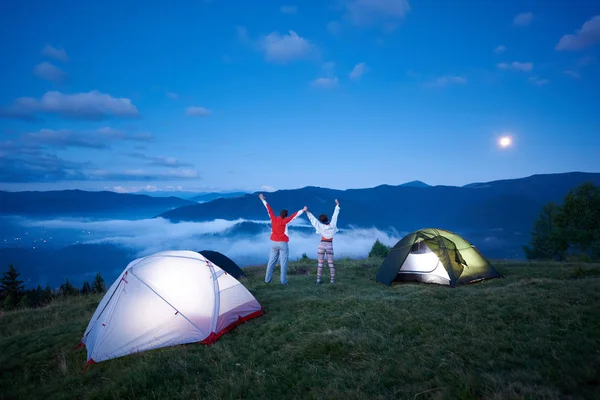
{"x": 327, "y": 229}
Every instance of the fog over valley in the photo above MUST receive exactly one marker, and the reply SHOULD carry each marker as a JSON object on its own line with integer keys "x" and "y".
{"x": 49, "y": 251}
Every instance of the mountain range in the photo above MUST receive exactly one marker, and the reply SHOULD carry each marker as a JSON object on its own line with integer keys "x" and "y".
{"x": 495, "y": 216}
{"x": 511, "y": 204}
{"x": 80, "y": 203}
{"x": 206, "y": 197}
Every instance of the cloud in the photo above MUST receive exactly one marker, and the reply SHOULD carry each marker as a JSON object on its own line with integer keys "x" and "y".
{"x": 160, "y": 160}
{"x": 572, "y": 74}
{"x": 517, "y": 66}
{"x": 64, "y": 138}
{"x": 146, "y": 188}
{"x": 120, "y": 135}
{"x": 172, "y": 96}
{"x": 149, "y": 236}
{"x": 57, "y": 54}
{"x": 538, "y": 81}
{"x": 586, "y": 36}
{"x": 34, "y": 142}
{"x": 267, "y": 188}
{"x": 334, "y": 27}
{"x": 140, "y": 175}
{"x": 325, "y": 83}
{"x": 11, "y": 147}
{"x": 27, "y": 165}
{"x": 86, "y": 106}
{"x": 38, "y": 167}
{"x": 447, "y": 80}
{"x": 358, "y": 71}
{"x": 197, "y": 111}
{"x": 523, "y": 19}
{"x": 49, "y": 72}
{"x": 288, "y": 9}
{"x": 285, "y": 48}
{"x": 376, "y": 12}
{"x": 587, "y": 60}
{"x": 500, "y": 49}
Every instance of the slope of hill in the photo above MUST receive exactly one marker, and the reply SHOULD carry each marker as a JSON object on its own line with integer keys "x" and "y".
{"x": 532, "y": 334}
{"x": 507, "y": 204}
{"x": 85, "y": 203}
{"x": 206, "y": 197}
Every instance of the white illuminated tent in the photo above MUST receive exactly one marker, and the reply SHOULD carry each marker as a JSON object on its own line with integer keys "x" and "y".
{"x": 166, "y": 299}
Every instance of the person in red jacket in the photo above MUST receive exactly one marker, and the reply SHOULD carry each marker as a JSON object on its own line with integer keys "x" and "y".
{"x": 279, "y": 240}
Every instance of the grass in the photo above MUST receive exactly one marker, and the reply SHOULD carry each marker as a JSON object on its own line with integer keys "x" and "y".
{"x": 534, "y": 334}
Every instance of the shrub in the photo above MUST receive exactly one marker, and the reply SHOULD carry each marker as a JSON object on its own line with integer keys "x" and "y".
{"x": 379, "y": 250}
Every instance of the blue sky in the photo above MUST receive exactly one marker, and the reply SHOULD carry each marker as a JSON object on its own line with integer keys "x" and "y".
{"x": 231, "y": 95}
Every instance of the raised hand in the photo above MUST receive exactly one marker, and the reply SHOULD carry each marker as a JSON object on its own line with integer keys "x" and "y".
{"x": 261, "y": 196}
{"x": 337, "y": 202}
{"x": 305, "y": 209}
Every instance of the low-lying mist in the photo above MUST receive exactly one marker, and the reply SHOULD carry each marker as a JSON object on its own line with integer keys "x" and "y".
{"x": 85, "y": 242}
{"x": 152, "y": 235}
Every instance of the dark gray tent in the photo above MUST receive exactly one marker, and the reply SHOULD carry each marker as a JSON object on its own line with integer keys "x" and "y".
{"x": 223, "y": 262}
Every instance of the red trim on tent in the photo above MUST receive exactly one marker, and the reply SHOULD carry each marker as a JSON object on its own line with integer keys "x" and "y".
{"x": 90, "y": 362}
{"x": 80, "y": 345}
{"x": 213, "y": 337}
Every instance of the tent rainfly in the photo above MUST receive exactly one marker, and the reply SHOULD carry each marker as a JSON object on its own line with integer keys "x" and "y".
{"x": 435, "y": 256}
{"x": 224, "y": 262}
{"x": 166, "y": 299}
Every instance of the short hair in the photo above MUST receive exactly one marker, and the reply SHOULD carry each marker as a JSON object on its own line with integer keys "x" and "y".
{"x": 283, "y": 213}
{"x": 323, "y": 218}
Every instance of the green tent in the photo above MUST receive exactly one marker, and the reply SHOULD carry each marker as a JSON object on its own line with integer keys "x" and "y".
{"x": 435, "y": 256}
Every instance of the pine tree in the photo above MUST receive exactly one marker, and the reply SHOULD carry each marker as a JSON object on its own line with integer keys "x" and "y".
{"x": 67, "y": 289}
{"x": 86, "y": 288}
{"x": 98, "y": 285}
{"x": 11, "y": 288}
{"x": 47, "y": 296}
{"x": 36, "y": 296}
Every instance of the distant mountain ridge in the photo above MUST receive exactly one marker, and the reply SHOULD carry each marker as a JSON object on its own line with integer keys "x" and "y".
{"x": 206, "y": 197}
{"x": 193, "y": 196}
{"x": 415, "y": 184}
{"x": 85, "y": 203}
{"x": 508, "y": 204}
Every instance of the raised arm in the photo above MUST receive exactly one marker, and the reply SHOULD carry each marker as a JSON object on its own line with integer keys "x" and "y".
{"x": 336, "y": 212}
{"x": 268, "y": 207}
{"x": 315, "y": 222}
{"x": 293, "y": 216}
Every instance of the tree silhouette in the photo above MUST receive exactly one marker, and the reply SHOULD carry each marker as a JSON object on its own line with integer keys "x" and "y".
{"x": 11, "y": 288}
{"x": 98, "y": 285}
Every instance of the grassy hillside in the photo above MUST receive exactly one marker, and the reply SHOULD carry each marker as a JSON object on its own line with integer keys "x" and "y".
{"x": 533, "y": 334}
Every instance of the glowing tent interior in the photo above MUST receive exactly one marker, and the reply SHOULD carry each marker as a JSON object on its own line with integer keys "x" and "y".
{"x": 435, "y": 256}
{"x": 166, "y": 299}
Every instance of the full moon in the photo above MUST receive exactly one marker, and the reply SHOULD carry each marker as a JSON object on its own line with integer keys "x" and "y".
{"x": 505, "y": 141}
